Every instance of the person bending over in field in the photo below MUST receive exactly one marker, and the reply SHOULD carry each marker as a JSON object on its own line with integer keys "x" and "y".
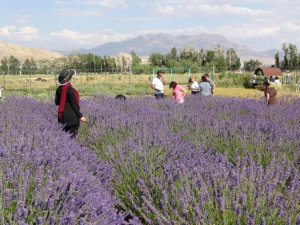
{"x": 67, "y": 99}
{"x": 178, "y": 92}
{"x": 270, "y": 94}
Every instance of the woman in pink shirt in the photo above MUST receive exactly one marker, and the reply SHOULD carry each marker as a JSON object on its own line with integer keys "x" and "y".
{"x": 178, "y": 92}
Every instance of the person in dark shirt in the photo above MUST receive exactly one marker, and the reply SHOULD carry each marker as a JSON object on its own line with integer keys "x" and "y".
{"x": 270, "y": 94}
{"x": 67, "y": 99}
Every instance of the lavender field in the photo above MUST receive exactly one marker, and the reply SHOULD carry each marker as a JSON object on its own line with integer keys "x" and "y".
{"x": 207, "y": 161}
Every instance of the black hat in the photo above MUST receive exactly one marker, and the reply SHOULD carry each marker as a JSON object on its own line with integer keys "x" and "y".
{"x": 66, "y": 75}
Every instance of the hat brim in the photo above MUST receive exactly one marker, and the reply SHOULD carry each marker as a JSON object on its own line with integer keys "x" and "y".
{"x": 66, "y": 75}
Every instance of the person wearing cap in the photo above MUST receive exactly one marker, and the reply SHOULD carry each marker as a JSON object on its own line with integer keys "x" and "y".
{"x": 67, "y": 99}
{"x": 158, "y": 86}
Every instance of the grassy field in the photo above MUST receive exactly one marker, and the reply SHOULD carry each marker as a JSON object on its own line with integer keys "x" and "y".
{"x": 43, "y": 86}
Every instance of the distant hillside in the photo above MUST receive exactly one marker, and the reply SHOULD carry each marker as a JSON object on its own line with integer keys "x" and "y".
{"x": 23, "y": 53}
{"x": 163, "y": 43}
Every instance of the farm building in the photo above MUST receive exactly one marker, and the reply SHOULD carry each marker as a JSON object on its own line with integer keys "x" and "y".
{"x": 266, "y": 71}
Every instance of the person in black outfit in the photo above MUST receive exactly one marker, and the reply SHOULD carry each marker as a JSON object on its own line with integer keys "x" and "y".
{"x": 67, "y": 99}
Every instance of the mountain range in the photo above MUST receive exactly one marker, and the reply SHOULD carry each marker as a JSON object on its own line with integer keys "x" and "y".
{"x": 163, "y": 43}
{"x": 145, "y": 45}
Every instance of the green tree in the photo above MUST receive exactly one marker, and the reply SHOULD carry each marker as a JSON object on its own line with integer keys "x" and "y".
{"x": 251, "y": 65}
{"x": 219, "y": 60}
{"x": 277, "y": 60}
{"x": 293, "y": 57}
{"x": 285, "y": 62}
{"x": 135, "y": 63}
{"x": 156, "y": 59}
{"x": 173, "y": 54}
{"x": 189, "y": 53}
{"x": 4, "y": 65}
{"x": 209, "y": 57}
{"x": 14, "y": 65}
{"x": 233, "y": 61}
{"x": 29, "y": 66}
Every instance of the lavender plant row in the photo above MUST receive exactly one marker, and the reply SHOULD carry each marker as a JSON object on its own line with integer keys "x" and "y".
{"x": 47, "y": 178}
{"x": 207, "y": 161}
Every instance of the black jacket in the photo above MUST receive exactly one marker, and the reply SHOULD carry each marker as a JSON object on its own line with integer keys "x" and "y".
{"x": 71, "y": 114}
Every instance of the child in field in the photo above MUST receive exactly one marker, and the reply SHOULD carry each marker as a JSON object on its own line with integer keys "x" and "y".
{"x": 178, "y": 92}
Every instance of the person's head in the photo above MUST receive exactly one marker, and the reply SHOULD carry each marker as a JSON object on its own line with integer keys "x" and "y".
{"x": 207, "y": 76}
{"x": 120, "y": 97}
{"x": 173, "y": 84}
{"x": 204, "y": 78}
{"x": 266, "y": 83}
{"x": 159, "y": 74}
{"x": 65, "y": 76}
{"x": 192, "y": 79}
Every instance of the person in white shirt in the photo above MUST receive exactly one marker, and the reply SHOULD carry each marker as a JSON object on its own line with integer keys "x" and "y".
{"x": 158, "y": 86}
{"x": 277, "y": 81}
{"x": 193, "y": 85}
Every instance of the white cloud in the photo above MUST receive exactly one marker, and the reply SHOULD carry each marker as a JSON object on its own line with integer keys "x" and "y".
{"x": 80, "y": 13}
{"x": 77, "y": 39}
{"x": 26, "y": 33}
{"x": 60, "y": 2}
{"x": 165, "y": 9}
{"x": 215, "y": 9}
{"x": 234, "y": 10}
{"x": 292, "y": 27}
{"x": 247, "y": 32}
{"x": 105, "y": 3}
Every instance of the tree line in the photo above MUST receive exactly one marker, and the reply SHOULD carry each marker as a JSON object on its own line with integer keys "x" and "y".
{"x": 290, "y": 59}
{"x": 189, "y": 57}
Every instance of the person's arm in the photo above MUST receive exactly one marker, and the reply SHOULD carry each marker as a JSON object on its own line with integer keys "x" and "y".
{"x": 57, "y": 96}
{"x": 73, "y": 103}
{"x": 267, "y": 97}
{"x": 200, "y": 88}
{"x": 153, "y": 87}
{"x": 212, "y": 85}
{"x": 183, "y": 92}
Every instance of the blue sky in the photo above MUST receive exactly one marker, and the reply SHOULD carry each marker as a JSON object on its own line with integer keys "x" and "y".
{"x": 66, "y": 24}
